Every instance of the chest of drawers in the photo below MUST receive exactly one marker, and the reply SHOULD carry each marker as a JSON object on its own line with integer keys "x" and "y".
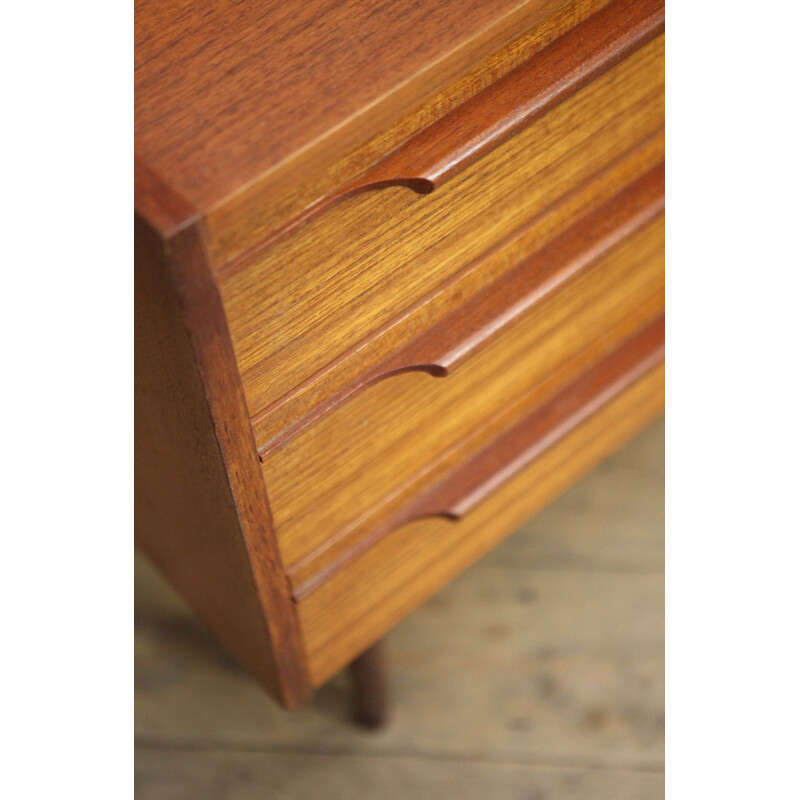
{"x": 399, "y": 283}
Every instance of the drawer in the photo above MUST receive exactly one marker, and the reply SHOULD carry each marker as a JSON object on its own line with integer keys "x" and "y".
{"x": 482, "y": 502}
{"x": 311, "y": 312}
{"x": 336, "y": 480}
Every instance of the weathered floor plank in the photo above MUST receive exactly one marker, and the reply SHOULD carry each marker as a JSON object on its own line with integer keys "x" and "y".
{"x": 543, "y": 662}
{"x": 167, "y": 775}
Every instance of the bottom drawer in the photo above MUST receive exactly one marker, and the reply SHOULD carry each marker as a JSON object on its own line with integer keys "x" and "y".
{"x": 466, "y": 514}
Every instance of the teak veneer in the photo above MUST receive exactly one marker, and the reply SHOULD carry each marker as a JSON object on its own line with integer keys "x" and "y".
{"x": 381, "y": 445}
{"x": 399, "y": 282}
{"x": 361, "y": 602}
{"x": 387, "y": 250}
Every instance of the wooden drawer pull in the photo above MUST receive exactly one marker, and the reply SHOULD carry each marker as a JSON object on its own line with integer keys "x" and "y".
{"x": 467, "y": 486}
{"x": 463, "y": 490}
{"x": 443, "y": 149}
{"x": 483, "y": 122}
{"x": 468, "y": 328}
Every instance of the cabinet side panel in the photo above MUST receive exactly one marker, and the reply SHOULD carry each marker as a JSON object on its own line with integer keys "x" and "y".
{"x": 186, "y": 515}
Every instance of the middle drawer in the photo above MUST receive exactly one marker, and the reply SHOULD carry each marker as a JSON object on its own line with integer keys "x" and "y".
{"x": 339, "y": 478}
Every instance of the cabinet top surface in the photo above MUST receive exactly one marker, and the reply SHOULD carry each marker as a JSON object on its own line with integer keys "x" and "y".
{"x": 229, "y": 90}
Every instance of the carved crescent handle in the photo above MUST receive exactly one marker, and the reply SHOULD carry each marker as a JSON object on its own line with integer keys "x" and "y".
{"x": 443, "y": 149}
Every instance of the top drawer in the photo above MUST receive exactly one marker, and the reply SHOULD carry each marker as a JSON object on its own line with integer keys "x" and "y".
{"x": 316, "y": 308}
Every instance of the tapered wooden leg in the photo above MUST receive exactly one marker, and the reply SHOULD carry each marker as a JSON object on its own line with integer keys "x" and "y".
{"x": 370, "y": 687}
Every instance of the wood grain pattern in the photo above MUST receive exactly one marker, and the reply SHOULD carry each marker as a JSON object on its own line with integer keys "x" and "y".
{"x": 337, "y": 480}
{"x": 160, "y": 205}
{"x": 355, "y": 608}
{"x": 478, "y": 477}
{"x": 442, "y": 150}
{"x": 201, "y": 511}
{"x": 227, "y": 91}
{"x": 345, "y": 373}
{"x": 386, "y": 251}
{"x": 197, "y": 772}
{"x": 470, "y": 326}
{"x": 519, "y": 660}
{"x": 470, "y": 485}
{"x": 249, "y": 216}
{"x": 274, "y": 291}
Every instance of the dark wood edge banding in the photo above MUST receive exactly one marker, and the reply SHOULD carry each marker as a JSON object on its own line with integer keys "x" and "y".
{"x": 163, "y": 208}
{"x": 474, "y": 324}
{"x": 207, "y": 328}
{"x": 470, "y": 484}
{"x": 440, "y": 151}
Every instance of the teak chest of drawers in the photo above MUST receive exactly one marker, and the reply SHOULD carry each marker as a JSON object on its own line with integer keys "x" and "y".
{"x": 399, "y": 283}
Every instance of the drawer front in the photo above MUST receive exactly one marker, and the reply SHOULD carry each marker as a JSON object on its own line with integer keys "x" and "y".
{"x": 312, "y": 301}
{"x": 337, "y": 480}
{"x": 372, "y": 592}
{"x": 271, "y": 205}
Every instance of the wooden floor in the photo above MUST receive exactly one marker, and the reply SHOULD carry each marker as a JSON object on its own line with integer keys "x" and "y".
{"x": 537, "y": 674}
